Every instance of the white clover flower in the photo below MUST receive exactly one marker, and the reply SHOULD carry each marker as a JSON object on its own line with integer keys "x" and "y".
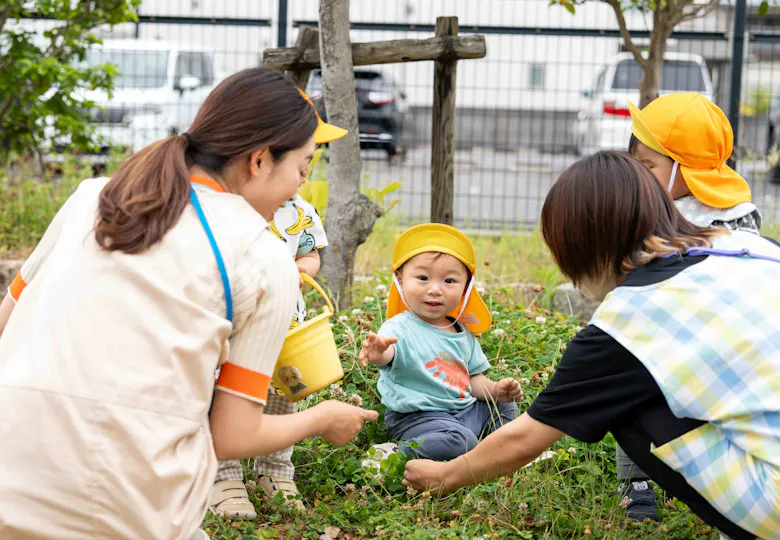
{"x": 572, "y": 450}
{"x": 343, "y": 318}
{"x": 355, "y": 399}
{"x": 507, "y": 322}
{"x": 357, "y": 311}
{"x": 578, "y": 328}
{"x": 381, "y": 289}
{"x": 499, "y": 333}
{"x": 541, "y": 320}
{"x": 524, "y": 381}
{"x": 501, "y": 364}
{"x": 495, "y": 313}
{"x": 384, "y": 302}
{"x": 369, "y": 300}
{"x": 522, "y": 507}
{"x": 481, "y": 290}
{"x": 336, "y": 391}
{"x": 545, "y": 376}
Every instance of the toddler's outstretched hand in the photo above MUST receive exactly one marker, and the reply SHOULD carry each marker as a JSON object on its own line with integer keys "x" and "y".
{"x": 374, "y": 347}
{"x": 508, "y": 390}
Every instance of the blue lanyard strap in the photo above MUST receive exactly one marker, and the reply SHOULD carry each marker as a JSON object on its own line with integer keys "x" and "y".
{"x": 220, "y": 263}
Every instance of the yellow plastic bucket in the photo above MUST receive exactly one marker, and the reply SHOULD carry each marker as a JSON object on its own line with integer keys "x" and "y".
{"x": 309, "y": 360}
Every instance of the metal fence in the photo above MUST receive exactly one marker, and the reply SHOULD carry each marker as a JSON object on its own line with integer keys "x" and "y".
{"x": 520, "y": 111}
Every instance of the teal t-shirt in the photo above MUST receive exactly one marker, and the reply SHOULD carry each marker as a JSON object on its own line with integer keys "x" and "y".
{"x": 431, "y": 369}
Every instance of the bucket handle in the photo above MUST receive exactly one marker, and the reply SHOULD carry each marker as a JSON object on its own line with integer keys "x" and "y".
{"x": 308, "y": 279}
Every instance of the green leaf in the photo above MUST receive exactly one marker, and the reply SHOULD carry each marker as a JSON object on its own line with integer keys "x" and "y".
{"x": 763, "y": 8}
{"x": 569, "y": 7}
{"x": 389, "y": 188}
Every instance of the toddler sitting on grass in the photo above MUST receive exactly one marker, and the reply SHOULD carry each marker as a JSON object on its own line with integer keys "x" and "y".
{"x": 431, "y": 365}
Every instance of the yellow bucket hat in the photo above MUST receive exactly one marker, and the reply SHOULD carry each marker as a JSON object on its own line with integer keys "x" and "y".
{"x": 325, "y": 132}
{"x": 694, "y": 132}
{"x": 439, "y": 238}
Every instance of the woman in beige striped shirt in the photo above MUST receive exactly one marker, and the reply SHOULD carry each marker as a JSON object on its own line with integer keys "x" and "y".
{"x": 142, "y": 285}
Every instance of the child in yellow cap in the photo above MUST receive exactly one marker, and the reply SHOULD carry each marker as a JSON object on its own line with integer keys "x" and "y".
{"x": 299, "y": 226}
{"x": 685, "y": 140}
{"x": 431, "y": 366}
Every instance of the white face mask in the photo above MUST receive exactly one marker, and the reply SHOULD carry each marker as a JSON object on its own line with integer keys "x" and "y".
{"x": 674, "y": 175}
{"x": 463, "y": 306}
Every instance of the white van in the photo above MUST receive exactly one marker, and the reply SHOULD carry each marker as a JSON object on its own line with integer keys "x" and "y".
{"x": 604, "y": 122}
{"x": 157, "y": 92}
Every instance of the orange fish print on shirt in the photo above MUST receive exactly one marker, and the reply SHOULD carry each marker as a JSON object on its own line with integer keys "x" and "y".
{"x": 455, "y": 373}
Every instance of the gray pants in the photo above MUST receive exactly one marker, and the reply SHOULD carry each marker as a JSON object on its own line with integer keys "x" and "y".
{"x": 448, "y": 434}
{"x": 627, "y": 469}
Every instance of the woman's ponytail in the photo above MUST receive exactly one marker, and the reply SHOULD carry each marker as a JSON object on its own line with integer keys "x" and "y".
{"x": 145, "y": 198}
{"x": 252, "y": 109}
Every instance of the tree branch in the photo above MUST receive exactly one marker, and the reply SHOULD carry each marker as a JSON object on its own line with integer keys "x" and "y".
{"x": 698, "y": 11}
{"x": 624, "y": 32}
{"x": 6, "y": 105}
{"x": 4, "y": 14}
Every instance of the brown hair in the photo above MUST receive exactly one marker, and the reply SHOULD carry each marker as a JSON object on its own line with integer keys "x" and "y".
{"x": 252, "y": 109}
{"x": 632, "y": 144}
{"x": 607, "y": 212}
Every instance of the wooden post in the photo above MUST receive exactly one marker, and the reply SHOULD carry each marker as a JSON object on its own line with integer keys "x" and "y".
{"x": 443, "y": 128}
{"x": 308, "y": 38}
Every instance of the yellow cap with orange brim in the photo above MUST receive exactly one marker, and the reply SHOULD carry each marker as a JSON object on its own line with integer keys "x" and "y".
{"x": 694, "y": 132}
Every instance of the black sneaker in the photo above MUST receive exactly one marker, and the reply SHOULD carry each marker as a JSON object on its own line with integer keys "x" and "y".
{"x": 639, "y": 500}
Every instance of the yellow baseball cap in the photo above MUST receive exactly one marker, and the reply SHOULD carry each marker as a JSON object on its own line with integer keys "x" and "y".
{"x": 325, "y": 132}
{"x": 439, "y": 238}
{"x": 694, "y": 132}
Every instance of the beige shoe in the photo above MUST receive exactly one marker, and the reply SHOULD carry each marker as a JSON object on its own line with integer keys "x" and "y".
{"x": 230, "y": 499}
{"x": 276, "y": 484}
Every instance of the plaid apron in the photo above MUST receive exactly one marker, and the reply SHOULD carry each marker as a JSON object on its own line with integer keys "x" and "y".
{"x": 710, "y": 337}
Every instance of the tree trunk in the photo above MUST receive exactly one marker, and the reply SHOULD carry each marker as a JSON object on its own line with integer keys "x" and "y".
{"x": 650, "y": 84}
{"x": 351, "y": 215}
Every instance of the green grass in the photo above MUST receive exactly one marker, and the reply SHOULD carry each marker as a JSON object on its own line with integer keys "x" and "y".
{"x": 570, "y": 496}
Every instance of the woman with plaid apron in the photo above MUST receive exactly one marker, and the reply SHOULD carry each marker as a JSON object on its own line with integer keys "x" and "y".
{"x": 681, "y": 362}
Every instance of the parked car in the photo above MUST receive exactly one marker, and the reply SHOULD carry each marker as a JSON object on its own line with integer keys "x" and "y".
{"x": 157, "y": 92}
{"x": 382, "y": 106}
{"x": 604, "y": 122}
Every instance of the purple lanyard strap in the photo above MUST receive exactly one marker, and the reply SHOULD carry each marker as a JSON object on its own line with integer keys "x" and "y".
{"x": 700, "y": 252}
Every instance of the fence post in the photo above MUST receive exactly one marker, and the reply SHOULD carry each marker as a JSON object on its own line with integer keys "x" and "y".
{"x": 281, "y": 28}
{"x": 308, "y": 37}
{"x": 737, "y": 57}
{"x": 443, "y": 129}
